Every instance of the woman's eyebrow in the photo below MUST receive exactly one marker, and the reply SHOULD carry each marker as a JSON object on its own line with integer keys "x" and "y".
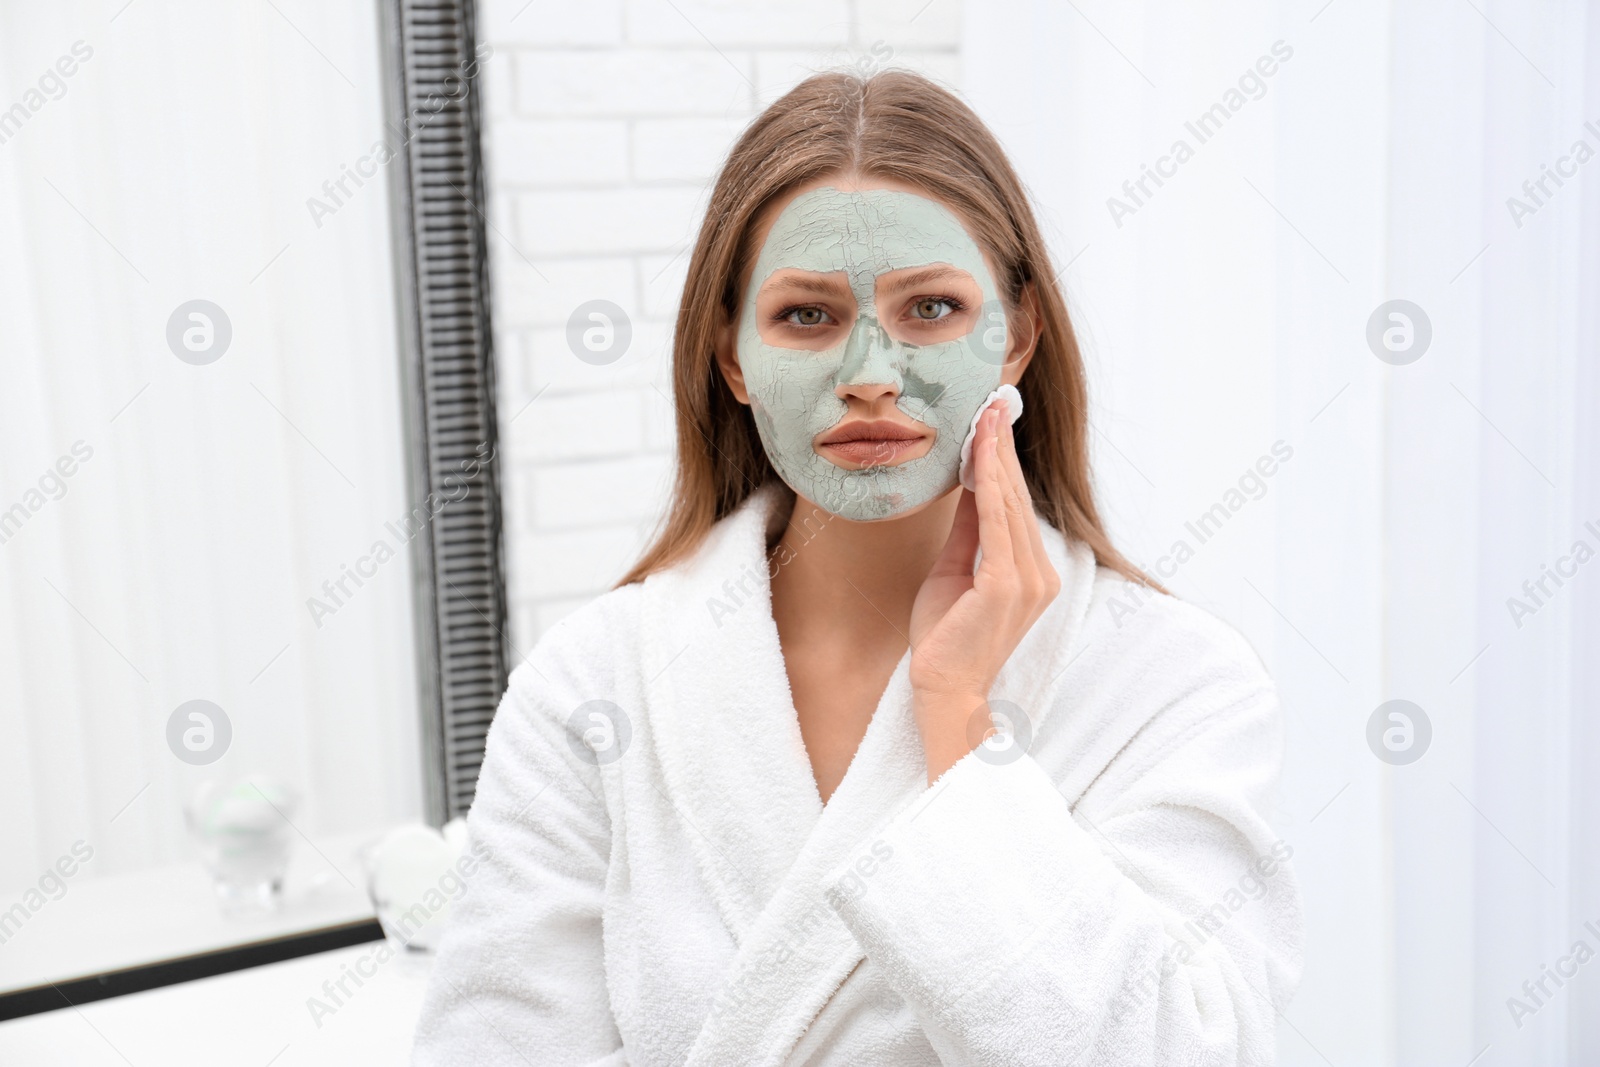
{"x": 936, "y": 273}
{"x": 821, "y": 284}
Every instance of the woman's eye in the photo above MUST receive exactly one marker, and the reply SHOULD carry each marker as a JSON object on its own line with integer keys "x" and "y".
{"x": 808, "y": 316}
{"x": 933, "y": 308}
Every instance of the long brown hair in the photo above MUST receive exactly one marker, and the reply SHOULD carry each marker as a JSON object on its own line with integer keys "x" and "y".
{"x": 893, "y": 125}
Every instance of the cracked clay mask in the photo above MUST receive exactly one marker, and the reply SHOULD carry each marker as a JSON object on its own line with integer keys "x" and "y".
{"x": 863, "y": 235}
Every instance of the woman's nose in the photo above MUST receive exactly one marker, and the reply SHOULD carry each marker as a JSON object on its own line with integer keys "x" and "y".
{"x": 866, "y": 391}
{"x": 872, "y": 362}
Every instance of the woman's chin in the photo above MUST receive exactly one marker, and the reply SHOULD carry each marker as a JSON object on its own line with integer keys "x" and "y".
{"x": 892, "y": 507}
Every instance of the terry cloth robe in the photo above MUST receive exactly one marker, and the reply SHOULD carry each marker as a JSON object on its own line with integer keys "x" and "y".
{"x": 1098, "y": 884}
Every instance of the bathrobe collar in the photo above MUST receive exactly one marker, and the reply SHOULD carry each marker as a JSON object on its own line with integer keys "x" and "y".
{"x": 736, "y": 772}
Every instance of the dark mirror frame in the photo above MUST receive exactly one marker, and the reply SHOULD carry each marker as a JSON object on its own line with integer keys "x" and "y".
{"x": 447, "y": 358}
{"x": 430, "y": 61}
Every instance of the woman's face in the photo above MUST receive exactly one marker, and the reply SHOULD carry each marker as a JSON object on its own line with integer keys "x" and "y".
{"x": 870, "y": 332}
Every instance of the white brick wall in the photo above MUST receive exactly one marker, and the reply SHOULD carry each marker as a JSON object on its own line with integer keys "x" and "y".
{"x": 606, "y": 122}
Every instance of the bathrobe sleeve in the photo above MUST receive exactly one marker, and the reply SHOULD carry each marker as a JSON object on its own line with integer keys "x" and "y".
{"x": 519, "y": 976}
{"x": 1155, "y": 923}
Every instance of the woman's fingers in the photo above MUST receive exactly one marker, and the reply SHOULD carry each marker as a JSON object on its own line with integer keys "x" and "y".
{"x": 1014, "y": 555}
{"x": 1019, "y": 507}
{"x": 1035, "y": 548}
{"x": 994, "y": 527}
{"x": 961, "y": 547}
{"x": 1022, "y": 525}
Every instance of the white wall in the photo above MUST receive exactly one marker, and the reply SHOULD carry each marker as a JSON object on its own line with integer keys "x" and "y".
{"x": 1229, "y": 310}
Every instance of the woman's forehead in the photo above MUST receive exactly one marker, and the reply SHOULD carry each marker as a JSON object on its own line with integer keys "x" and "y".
{"x": 865, "y": 233}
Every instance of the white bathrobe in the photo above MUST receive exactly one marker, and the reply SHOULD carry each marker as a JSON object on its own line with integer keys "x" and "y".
{"x": 1098, "y": 886}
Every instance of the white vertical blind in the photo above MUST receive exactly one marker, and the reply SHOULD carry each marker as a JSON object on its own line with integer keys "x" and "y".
{"x": 1228, "y": 310}
{"x": 181, "y": 160}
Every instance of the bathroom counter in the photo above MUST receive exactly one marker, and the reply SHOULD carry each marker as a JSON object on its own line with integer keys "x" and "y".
{"x": 282, "y": 1015}
{"x": 124, "y": 920}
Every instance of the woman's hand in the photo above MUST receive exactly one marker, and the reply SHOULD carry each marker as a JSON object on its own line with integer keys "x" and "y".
{"x": 964, "y": 625}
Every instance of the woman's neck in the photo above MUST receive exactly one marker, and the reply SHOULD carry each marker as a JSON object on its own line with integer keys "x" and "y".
{"x": 855, "y": 580}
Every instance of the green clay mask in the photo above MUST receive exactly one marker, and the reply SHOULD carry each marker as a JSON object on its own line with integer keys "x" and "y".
{"x": 857, "y": 238}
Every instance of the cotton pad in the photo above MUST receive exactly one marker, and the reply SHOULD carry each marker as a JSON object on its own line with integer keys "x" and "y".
{"x": 1013, "y": 409}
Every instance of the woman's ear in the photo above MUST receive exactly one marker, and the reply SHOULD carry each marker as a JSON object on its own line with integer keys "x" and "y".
{"x": 726, "y": 348}
{"x": 1022, "y": 335}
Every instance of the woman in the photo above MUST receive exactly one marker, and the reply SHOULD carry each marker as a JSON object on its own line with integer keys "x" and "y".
{"x": 820, "y": 783}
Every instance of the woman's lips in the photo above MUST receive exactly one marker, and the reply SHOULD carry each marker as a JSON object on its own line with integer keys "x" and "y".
{"x": 878, "y": 452}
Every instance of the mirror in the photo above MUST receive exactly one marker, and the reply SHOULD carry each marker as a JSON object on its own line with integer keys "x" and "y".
{"x": 252, "y": 604}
